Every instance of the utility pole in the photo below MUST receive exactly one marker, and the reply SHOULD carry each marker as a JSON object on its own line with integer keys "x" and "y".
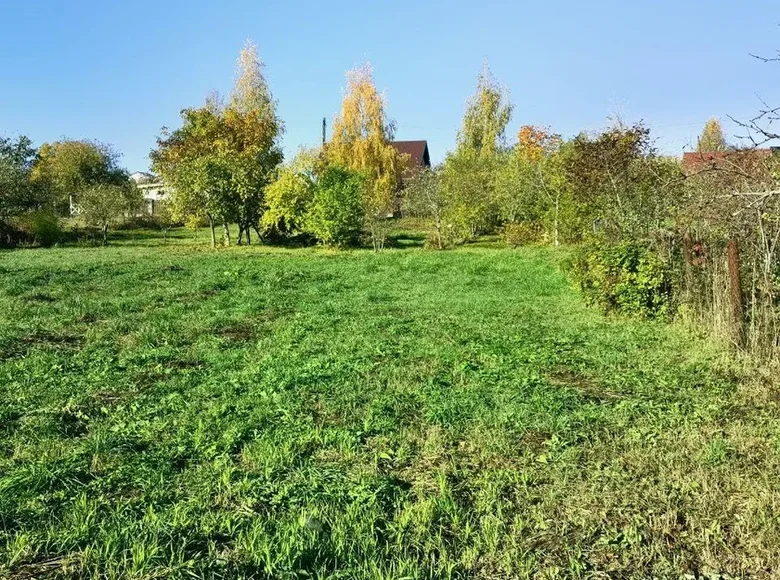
{"x": 324, "y": 125}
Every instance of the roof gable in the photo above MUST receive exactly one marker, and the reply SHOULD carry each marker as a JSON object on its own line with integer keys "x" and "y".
{"x": 416, "y": 150}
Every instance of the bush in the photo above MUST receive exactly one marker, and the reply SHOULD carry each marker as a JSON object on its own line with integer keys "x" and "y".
{"x": 44, "y": 227}
{"x": 11, "y": 235}
{"x": 335, "y": 216}
{"x": 195, "y": 222}
{"x": 628, "y": 278}
{"x": 520, "y": 234}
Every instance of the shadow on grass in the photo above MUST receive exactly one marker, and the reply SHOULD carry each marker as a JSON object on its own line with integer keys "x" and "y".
{"x": 406, "y": 240}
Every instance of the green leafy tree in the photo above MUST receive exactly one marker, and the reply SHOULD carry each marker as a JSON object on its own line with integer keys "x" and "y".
{"x": 531, "y": 186}
{"x": 17, "y": 193}
{"x": 105, "y": 203}
{"x": 335, "y": 215}
{"x": 620, "y": 183}
{"x": 487, "y": 114}
{"x": 468, "y": 184}
{"x": 64, "y": 169}
{"x": 198, "y": 175}
{"x": 253, "y": 132}
{"x": 219, "y": 162}
{"x": 165, "y": 218}
{"x": 288, "y": 198}
{"x": 469, "y": 173}
{"x": 712, "y": 138}
{"x": 423, "y": 197}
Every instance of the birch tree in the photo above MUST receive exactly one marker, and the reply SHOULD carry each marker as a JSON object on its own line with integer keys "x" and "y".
{"x": 361, "y": 141}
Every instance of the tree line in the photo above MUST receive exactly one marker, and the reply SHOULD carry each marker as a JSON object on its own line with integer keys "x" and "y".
{"x": 39, "y": 186}
{"x": 654, "y": 238}
{"x": 225, "y": 164}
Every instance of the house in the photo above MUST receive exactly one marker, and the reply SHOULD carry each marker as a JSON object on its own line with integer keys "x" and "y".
{"x": 151, "y": 187}
{"x": 419, "y": 158}
{"x": 418, "y": 155}
{"x": 742, "y": 159}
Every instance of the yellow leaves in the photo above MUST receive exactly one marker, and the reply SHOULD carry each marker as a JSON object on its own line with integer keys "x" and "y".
{"x": 361, "y": 140}
{"x": 487, "y": 115}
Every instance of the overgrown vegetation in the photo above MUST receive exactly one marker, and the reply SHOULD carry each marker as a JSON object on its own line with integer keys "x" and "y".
{"x": 173, "y": 412}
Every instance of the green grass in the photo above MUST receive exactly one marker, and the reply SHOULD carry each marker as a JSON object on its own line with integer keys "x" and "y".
{"x": 168, "y": 411}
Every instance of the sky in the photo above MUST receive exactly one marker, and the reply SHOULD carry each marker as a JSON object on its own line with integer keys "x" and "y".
{"x": 118, "y": 72}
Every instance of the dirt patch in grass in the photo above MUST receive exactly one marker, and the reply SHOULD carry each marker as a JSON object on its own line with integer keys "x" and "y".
{"x": 173, "y": 268}
{"x": 586, "y": 386}
{"x": 110, "y": 399}
{"x": 235, "y": 332}
{"x": 40, "y": 297}
{"x": 535, "y": 439}
{"x": 183, "y": 364}
{"x": 46, "y": 339}
{"x": 250, "y": 328}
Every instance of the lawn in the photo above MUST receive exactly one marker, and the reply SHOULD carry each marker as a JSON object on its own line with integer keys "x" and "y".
{"x": 168, "y": 411}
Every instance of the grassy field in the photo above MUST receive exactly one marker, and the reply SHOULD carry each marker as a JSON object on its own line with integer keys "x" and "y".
{"x": 168, "y": 411}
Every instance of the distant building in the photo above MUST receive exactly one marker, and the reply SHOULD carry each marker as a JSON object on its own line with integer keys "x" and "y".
{"x": 419, "y": 159}
{"x": 152, "y": 188}
{"x": 418, "y": 155}
{"x": 696, "y": 161}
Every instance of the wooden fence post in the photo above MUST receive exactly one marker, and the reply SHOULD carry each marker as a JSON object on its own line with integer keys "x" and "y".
{"x": 735, "y": 291}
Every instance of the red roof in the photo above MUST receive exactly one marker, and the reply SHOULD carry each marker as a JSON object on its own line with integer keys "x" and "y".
{"x": 700, "y": 160}
{"x": 416, "y": 150}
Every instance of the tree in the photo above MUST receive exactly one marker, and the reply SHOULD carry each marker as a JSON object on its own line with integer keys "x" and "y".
{"x": 254, "y": 131}
{"x": 164, "y": 217}
{"x": 469, "y": 173}
{"x": 423, "y": 197}
{"x": 335, "y": 215}
{"x": 66, "y": 168}
{"x": 17, "y": 194}
{"x": 288, "y": 198}
{"x": 103, "y": 203}
{"x": 620, "y": 183}
{"x": 468, "y": 185}
{"x": 361, "y": 142}
{"x": 19, "y": 152}
{"x": 487, "y": 114}
{"x": 531, "y": 186}
{"x": 220, "y": 160}
{"x": 712, "y": 138}
{"x": 198, "y": 176}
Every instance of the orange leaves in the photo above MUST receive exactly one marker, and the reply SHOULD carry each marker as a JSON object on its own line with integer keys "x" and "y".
{"x": 534, "y": 142}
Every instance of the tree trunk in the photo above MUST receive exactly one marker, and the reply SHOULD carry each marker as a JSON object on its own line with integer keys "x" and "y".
{"x": 248, "y": 235}
{"x": 104, "y": 229}
{"x": 687, "y": 246}
{"x": 439, "y": 241}
{"x": 227, "y": 233}
{"x": 735, "y": 292}
{"x": 240, "y": 234}
{"x": 213, "y": 231}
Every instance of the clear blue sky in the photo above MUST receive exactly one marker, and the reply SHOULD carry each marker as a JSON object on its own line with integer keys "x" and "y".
{"x": 119, "y": 71}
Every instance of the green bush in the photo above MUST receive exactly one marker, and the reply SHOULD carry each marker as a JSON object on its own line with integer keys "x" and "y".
{"x": 627, "y": 278}
{"x": 335, "y": 216}
{"x": 40, "y": 227}
{"x": 45, "y": 227}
